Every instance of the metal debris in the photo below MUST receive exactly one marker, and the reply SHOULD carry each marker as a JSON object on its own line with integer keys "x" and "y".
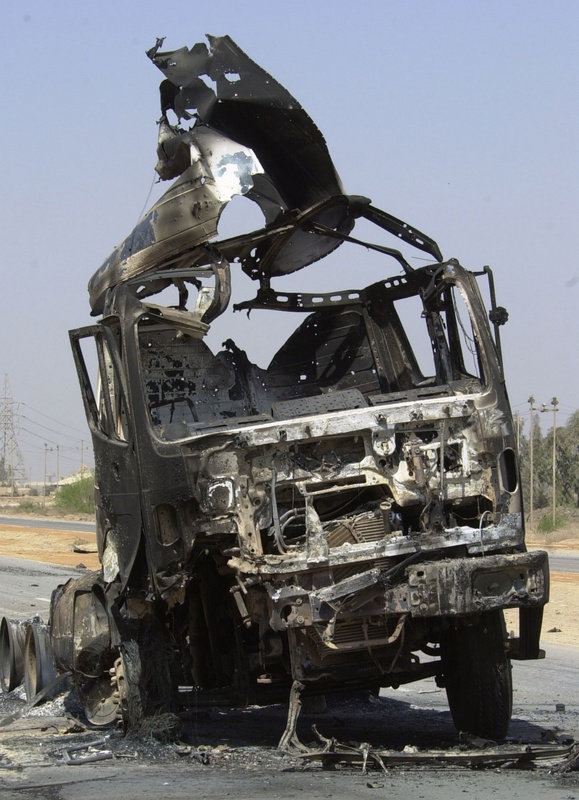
{"x": 570, "y": 763}
{"x": 86, "y": 753}
{"x": 363, "y": 755}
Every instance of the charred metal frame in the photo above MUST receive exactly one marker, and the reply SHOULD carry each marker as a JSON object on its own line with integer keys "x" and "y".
{"x": 325, "y": 519}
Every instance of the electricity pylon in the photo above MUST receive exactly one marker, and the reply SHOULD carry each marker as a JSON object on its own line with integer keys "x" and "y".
{"x": 11, "y": 461}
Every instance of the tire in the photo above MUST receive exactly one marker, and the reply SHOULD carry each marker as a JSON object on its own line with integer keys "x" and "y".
{"x": 143, "y": 676}
{"x": 477, "y": 676}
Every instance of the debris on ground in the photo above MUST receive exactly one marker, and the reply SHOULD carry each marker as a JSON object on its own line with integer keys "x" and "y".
{"x": 570, "y": 763}
{"x": 480, "y": 753}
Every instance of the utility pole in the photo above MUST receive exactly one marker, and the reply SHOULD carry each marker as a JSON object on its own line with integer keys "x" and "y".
{"x": 554, "y": 403}
{"x": 531, "y": 402}
{"x": 45, "y": 456}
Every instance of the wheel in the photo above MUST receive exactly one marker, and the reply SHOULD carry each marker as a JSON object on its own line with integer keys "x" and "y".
{"x": 128, "y": 677}
{"x": 143, "y": 678}
{"x": 115, "y": 696}
{"x": 101, "y": 701}
{"x": 11, "y": 654}
{"x": 477, "y": 676}
{"x": 39, "y": 669}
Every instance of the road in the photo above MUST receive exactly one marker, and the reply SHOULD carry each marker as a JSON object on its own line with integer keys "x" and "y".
{"x": 538, "y": 688}
{"x": 242, "y": 762}
{"x": 183, "y": 781}
{"x": 45, "y": 522}
{"x": 564, "y": 561}
{"x": 26, "y": 586}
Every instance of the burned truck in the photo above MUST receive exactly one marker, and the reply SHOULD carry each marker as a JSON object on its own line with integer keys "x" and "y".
{"x": 346, "y": 518}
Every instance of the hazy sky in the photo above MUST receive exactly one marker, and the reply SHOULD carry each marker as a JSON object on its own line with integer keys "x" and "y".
{"x": 460, "y": 117}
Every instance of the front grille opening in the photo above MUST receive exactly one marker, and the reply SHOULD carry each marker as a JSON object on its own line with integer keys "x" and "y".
{"x": 355, "y": 515}
{"x": 351, "y": 635}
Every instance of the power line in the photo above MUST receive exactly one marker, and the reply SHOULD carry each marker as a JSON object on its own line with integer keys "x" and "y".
{"x": 46, "y": 428}
{"x": 58, "y": 422}
{"x": 39, "y": 448}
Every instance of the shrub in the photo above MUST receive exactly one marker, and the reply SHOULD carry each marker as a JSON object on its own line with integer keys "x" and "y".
{"x": 27, "y": 507}
{"x": 76, "y": 498}
{"x": 546, "y": 522}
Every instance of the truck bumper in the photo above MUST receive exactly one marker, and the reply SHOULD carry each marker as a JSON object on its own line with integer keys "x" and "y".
{"x": 457, "y": 587}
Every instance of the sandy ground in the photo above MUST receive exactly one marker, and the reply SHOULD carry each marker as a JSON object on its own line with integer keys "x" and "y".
{"x": 561, "y": 617}
{"x": 51, "y": 546}
{"x": 68, "y": 548}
